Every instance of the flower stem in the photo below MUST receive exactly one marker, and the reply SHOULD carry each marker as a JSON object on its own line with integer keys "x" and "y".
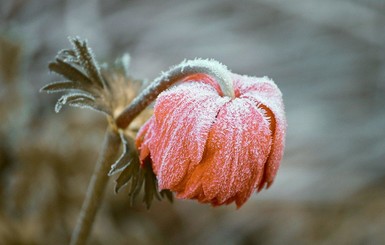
{"x": 166, "y": 80}
{"x": 96, "y": 188}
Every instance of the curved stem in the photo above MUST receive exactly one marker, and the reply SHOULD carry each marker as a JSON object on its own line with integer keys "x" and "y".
{"x": 175, "y": 74}
{"x": 96, "y": 188}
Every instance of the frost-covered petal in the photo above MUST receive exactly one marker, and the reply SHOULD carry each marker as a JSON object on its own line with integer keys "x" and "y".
{"x": 214, "y": 148}
{"x": 236, "y": 151}
{"x": 265, "y": 92}
{"x": 183, "y": 117}
{"x": 144, "y": 138}
{"x": 203, "y": 78}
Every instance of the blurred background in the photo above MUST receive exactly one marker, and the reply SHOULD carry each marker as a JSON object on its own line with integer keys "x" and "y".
{"x": 327, "y": 57}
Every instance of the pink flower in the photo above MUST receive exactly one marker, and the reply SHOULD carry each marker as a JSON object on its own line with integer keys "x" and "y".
{"x": 215, "y": 148}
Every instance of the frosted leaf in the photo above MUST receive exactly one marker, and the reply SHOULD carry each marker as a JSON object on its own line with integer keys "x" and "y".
{"x": 110, "y": 86}
{"x": 64, "y": 86}
{"x": 87, "y": 60}
{"x": 87, "y": 103}
{"x": 58, "y": 87}
{"x": 70, "y": 97}
{"x": 68, "y": 71}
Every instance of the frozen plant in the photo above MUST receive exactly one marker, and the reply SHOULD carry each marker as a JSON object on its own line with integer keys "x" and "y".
{"x": 209, "y": 146}
{"x": 215, "y": 137}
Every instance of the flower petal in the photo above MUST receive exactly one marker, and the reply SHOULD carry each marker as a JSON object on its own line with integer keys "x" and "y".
{"x": 236, "y": 151}
{"x": 144, "y": 138}
{"x": 204, "y": 78}
{"x": 183, "y": 118}
{"x": 267, "y": 95}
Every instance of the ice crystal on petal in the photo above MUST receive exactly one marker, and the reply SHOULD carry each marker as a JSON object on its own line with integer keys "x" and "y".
{"x": 183, "y": 117}
{"x": 235, "y": 149}
{"x": 265, "y": 92}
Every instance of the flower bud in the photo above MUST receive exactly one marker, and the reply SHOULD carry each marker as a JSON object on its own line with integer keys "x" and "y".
{"x": 214, "y": 148}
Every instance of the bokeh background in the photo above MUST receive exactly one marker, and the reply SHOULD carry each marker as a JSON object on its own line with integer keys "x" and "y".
{"x": 327, "y": 57}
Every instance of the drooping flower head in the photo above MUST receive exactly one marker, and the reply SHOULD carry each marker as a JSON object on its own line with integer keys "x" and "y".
{"x": 213, "y": 145}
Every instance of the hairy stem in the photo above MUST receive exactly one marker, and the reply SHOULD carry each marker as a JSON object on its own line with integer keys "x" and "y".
{"x": 166, "y": 80}
{"x": 96, "y": 188}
